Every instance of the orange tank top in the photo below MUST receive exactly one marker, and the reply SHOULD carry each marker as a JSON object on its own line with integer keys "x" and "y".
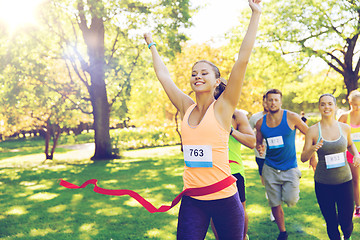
{"x": 206, "y": 154}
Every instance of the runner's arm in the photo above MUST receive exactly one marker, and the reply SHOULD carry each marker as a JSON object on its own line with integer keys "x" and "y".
{"x": 229, "y": 99}
{"x": 243, "y": 132}
{"x": 259, "y": 138}
{"x": 179, "y": 99}
{"x": 311, "y": 145}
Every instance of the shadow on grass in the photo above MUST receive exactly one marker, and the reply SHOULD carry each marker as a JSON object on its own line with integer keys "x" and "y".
{"x": 34, "y": 206}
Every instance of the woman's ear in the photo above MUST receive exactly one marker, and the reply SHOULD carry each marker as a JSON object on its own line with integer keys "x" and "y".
{"x": 218, "y": 81}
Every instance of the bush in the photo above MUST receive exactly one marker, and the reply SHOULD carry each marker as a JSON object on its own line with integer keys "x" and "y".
{"x": 311, "y": 120}
{"x": 134, "y": 138}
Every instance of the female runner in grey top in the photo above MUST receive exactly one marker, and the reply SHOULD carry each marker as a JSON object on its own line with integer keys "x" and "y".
{"x": 333, "y": 180}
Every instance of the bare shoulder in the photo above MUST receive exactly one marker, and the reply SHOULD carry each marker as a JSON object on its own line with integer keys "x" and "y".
{"x": 295, "y": 120}
{"x": 343, "y": 117}
{"x": 313, "y": 131}
{"x": 239, "y": 114}
{"x": 259, "y": 123}
{"x": 345, "y": 127}
{"x": 292, "y": 115}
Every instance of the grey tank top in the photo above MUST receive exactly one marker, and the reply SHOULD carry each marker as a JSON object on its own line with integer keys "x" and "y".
{"x": 332, "y": 167}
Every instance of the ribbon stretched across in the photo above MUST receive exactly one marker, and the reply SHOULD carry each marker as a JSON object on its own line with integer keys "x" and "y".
{"x": 147, "y": 205}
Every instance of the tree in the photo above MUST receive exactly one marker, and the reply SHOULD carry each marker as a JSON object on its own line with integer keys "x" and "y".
{"x": 109, "y": 49}
{"x": 328, "y": 30}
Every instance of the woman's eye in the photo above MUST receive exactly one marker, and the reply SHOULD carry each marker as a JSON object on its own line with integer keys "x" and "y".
{"x": 204, "y": 73}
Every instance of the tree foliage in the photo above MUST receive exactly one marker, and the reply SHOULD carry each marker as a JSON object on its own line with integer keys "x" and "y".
{"x": 84, "y": 56}
{"x": 328, "y": 30}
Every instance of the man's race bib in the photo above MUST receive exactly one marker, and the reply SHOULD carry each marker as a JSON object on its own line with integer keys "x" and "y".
{"x": 335, "y": 160}
{"x": 355, "y": 137}
{"x": 275, "y": 142}
{"x": 198, "y": 155}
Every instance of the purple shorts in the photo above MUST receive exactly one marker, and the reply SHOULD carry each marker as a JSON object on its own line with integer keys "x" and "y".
{"x": 194, "y": 218}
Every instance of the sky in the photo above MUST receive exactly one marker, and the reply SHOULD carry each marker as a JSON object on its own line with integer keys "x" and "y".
{"x": 214, "y": 19}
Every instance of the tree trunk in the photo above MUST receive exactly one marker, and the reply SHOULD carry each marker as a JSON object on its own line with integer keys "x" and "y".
{"x": 94, "y": 39}
{"x": 47, "y": 138}
{"x": 351, "y": 81}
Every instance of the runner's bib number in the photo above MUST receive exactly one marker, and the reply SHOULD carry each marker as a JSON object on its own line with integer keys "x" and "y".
{"x": 335, "y": 160}
{"x": 198, "y": 155}
{"x": 275, "y": 142}
{"x": 355, "y": 137}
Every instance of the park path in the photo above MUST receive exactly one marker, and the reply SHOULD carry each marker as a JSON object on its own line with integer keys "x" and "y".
{"x": 78, "y": 153}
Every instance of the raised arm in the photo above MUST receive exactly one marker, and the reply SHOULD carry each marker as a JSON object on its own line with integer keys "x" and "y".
{"x": 179, "y": 99}
{"x": 231, "y": 95}
{"x": 243, "y": 132}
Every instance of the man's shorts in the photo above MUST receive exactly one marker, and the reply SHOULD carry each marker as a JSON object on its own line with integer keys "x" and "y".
{"x": 240, "y": 183}
{"x": 260, "y": 162}
{"x": 282, "y": 186}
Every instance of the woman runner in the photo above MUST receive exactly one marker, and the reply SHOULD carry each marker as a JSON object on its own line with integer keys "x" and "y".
{"x": 205, "y": 133}
{"x": 333, "y": 184}
{"x": 352, "y": 118}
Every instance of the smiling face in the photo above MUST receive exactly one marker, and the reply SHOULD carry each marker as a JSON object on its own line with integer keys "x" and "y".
{"x": 327, "y": 106}
{"x": 203, "y": 78}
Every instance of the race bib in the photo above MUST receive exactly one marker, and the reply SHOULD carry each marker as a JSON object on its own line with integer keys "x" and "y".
{"x": 355, "y": 137}
{"x": 335, "y": 160}
{"x": 275, "y": 142}
{"x": 198, "y": 155}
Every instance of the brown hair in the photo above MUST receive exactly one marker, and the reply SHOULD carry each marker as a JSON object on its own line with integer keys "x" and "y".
{"x": 273, "y": 91}
{"x": 214, "y": 67}
{"x": 353, "y": 94}
{"x": 329, "y": 95}
{"x": 220, "y": 88}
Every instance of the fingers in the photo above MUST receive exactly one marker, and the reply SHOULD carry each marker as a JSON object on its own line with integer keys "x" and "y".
{"x": 148, "y": 37}
{"x": 356, "y": 162}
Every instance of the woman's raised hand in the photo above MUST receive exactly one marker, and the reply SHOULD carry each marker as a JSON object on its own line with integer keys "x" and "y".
{"x": 148, "y": 38}
{"x": 255, "y": 5}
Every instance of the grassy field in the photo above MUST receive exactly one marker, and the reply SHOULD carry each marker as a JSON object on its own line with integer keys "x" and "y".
{"x": 34, "y": 206}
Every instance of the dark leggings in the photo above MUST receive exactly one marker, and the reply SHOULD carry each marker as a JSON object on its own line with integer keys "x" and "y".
{"x": 342, "y": 196}
{"x": 194, "y": 218}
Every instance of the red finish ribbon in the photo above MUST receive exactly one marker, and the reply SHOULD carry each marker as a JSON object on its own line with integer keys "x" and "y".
{"x": 232, "y": 161}
{"x": 147, "y": 205}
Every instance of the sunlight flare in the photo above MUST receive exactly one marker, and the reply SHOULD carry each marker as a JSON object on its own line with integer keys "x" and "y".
{"x": 17, "y": 13}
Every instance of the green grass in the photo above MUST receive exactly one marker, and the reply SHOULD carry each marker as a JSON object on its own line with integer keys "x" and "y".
{"x": 36, "y": 145}
{"x": 34, "y": 206}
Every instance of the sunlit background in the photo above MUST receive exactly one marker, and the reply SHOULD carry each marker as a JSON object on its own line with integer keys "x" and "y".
{"x": 18, "y": 13}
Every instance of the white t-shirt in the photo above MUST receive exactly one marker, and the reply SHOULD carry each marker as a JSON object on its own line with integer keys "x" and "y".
{"x": 253, "y": 120}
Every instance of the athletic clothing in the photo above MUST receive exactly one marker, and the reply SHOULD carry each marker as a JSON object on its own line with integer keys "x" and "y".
{"x": 260, "y": 162}
{"x": 336, "y": 197}
{"x": 194, "y": 218}
{"x": 332, "y": 167}
{"x": 280, "y": 152}
{"x": 206, "y": 157}
{"x": 240, "y": 184}
{"x": 282, "y": 186}
{"x": 355, "y": 136}
{"x": 235, "y": 155}
{"x": 253, "y": 120}
{"x": 333, "y": 186}
{"x": 237, "y": 169}
{"x": 280, "y": 172}
{"x": 206, "y": 154}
